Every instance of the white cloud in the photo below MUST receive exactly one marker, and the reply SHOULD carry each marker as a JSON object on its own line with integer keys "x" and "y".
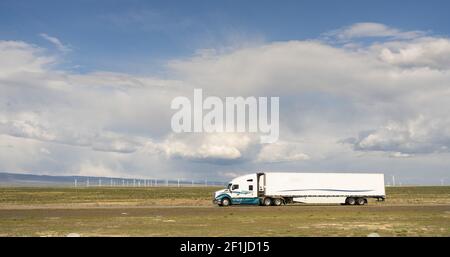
{"x": 20, "y": 57}
{"x": 433, "y": 53}
{"x": 371, "y": 29}
{"x": 400, "y": 155}
{"x": 56, "y": 42}
{"x": 327, "y": 93}
{"x": 209, "y": 147}
{"x": 281, "y": 152}
{"x": 416, "y": 136}
{"x": 28, "y": 125}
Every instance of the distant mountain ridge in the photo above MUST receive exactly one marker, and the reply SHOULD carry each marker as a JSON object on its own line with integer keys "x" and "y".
{"x": 18, "y": 179}
{"x": 7, "y": 178}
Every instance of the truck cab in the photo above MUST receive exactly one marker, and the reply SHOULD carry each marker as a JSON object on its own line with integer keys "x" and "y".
{"x": 241, "y": 190}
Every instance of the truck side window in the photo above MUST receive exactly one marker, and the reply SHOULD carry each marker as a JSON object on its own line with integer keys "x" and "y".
{"x": 235, "y": 187}
{"x": 250, "y": 188}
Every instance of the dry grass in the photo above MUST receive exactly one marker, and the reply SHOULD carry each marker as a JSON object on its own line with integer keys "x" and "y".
{"x": 415, "y": 211}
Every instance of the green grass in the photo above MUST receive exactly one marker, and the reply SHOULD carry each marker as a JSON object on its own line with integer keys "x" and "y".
{"x": 106, "y": 196}
{"x": 418, "y": 195}
{"x": 408, "y": 211}
{"x": 142, "y": 196}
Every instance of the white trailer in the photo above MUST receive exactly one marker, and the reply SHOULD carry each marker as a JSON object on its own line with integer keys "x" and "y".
{"x": 273, "y": 188}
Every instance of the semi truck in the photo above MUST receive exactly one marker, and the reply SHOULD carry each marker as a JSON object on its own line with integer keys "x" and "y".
{"x": 277, "y": 188}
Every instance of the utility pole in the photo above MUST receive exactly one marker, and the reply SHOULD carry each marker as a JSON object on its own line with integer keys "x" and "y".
{"x": 393, "y": 180}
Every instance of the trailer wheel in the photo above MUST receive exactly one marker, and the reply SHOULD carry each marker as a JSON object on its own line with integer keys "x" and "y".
{"x": 226, "y": 201}
{"x": 277, "y": 201}
{"x": 360, "y": 201}
{"x": 267, "y": 201}
{"x": 350, "y": 201}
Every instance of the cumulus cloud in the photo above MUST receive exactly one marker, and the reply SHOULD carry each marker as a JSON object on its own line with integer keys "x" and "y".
{"x": 416, "y": 136}
{"x": 217, "y": 147}
{"x": 27, "y": 126}
{"x": 20, "y": 57}
{"x": 281, "y": 152}
{"x": 400, "y": 155}
{"x": 390, "y": 96}
{"x": 371, "y": 29}
{"x": 425, "y": 52}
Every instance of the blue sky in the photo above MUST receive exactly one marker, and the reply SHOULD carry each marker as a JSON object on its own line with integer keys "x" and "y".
{"x": 125, "y": 35}
{"x": 86, "y": 86}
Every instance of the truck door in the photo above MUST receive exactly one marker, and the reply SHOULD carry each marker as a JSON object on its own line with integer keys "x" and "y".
{"x": 261, "y": 179}
{"x": 251, "y": 188}
{"x": 244, "y": 190}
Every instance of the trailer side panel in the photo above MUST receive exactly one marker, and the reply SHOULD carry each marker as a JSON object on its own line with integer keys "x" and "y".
{"x": 324, "y": 184}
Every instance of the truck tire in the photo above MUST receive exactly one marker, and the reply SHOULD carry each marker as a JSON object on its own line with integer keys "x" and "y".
{"x": 267, "y": 201}
{"x": 277, "y": 201}
{"x": 225, "y": 202}
{"x": 350, "y": 201}
{"x": 360, "y": 201}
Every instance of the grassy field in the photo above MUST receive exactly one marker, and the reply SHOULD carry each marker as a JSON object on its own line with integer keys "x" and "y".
{"x": 408, "y": 211}
{"x": 26, "y": 197}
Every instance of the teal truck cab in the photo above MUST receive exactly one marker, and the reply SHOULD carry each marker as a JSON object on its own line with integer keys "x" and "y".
{"x": 241, "y": 190}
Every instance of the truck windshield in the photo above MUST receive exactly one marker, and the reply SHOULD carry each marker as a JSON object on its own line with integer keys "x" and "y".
{"x": 229, "y": 186}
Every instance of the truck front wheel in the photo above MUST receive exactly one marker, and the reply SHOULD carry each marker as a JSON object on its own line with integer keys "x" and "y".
{"x": 226, "y": 202}
{"x": 267, "y": 201}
